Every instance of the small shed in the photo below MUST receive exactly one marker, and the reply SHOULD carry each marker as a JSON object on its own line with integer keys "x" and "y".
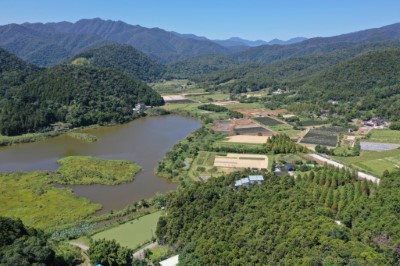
{"x": 277, "y": 170}
{"x": 256, "y": 179}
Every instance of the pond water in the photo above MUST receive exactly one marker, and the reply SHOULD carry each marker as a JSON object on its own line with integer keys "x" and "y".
{"x": 144, "y": 141}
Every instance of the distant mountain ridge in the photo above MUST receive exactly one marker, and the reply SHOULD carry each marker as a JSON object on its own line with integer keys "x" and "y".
{"x": 236, "y": 41}
{"x": 49, "y": 43}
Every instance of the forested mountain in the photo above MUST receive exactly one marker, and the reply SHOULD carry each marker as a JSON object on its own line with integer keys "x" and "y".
{"x": 286, "y": 221}
{"x": 289, "y": 73}
{"x": 198, "y": 66}
{"x": 121, "y": 57}
{"x": 355, "y": 77}
{"x": 268, "y": 54}
{"x": 50, "y": 43}
{"x": 73, "y": 94}
{"x": 43, "y": 48}
{"x": 13, "y": 72}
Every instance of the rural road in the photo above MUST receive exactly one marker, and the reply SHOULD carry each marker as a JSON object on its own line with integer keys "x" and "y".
{"x": 140, "y": 253}
{"x": 331, "y": 162}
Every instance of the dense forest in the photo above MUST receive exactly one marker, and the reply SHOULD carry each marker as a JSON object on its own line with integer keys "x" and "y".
{"x": 76, "y": 95}
{"x": 286, "y": 221}
{"x": 22, "y": 246}
{"x": 120, "y": 57}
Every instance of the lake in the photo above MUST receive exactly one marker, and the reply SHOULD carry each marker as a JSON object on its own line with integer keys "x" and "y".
{"x": 145, "y": 141}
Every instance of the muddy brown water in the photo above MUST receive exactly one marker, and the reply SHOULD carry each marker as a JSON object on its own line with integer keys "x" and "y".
{"x": 144, "y": 141}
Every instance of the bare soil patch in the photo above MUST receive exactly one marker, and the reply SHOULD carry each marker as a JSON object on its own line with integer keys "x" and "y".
{"x": 248, "y": 139}
{"x": 260, "y": 112}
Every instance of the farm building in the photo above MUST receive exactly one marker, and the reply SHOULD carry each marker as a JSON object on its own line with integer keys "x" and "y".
{"x": 251, "y": 179}
{"x": 235, "y": 160}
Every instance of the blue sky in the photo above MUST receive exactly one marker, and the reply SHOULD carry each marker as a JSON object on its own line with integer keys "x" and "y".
{"x": 217, "y": 19}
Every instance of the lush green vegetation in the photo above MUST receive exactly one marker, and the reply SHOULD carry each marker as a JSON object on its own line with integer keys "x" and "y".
{"x": 32, "y": 198}
{"x": 285, "y": 221}
{"x": 89, "y": 170}
{"x": 83, "y": 136}
{"x": 120, "y": 57}
{"x": 196, "y": 66}
{"x": 282, "y": 143}
{"x": 20, "y": 245}
{"x": 110, "y": 253}
{"x": 175, "y": 165}
{"x": 134, "y": 233}
{"x": 31, "y": 137}
{"x": 76, "y": 95}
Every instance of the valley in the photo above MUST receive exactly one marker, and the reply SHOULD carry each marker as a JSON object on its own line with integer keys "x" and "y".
{"x": 120, "y": 138}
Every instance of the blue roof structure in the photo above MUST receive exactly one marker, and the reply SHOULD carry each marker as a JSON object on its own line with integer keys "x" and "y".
{"x": 256, "y": 178}
{"x": 289, "y": 167}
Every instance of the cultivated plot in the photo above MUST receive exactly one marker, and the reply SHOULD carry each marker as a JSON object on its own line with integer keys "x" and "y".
{"x": 236, "y": 160}
{"x": 268, "y": 121}
{"x": 323, "y": 136}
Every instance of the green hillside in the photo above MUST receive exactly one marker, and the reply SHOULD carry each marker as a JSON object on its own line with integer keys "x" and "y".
{"x": 76, "y": 95}
{"x": 120, "y": 57}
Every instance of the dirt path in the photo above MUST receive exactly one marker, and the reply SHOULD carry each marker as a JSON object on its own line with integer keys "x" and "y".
{"x": 302, "y": 135}
{"x": 336, "y": 164}
{"x": 140, "y": 253}
{"x": 80, "y": 245}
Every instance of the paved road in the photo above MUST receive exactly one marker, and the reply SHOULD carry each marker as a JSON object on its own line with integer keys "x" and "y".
{"x": 331, "y": 162}
{"x": 140, "y": 253}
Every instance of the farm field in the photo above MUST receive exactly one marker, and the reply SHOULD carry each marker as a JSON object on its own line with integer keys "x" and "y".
{"x": 253, "y": 131}
{"x": 169, "y": 99}
{"x": 323, "y": 136}
{"x": 248, "y": 139}
{"x": 268, "y": 121}
{"x": 203, "y": 165}
{"x": 309, "y": 123}
{"x": 236, "y": 160}
{"x": 31, "y": 197}
{"x": 134, "y": 233}
{"x": 385, "y": 136}
{"x": 374, "y": 162}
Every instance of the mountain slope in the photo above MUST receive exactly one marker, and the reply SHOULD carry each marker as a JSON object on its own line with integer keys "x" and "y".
{"x": 236, "y": 41}
{"x": 124, "y": 58}
{"x": 267, "y": 54}
{"x": 199, "y": 66}
{"x": 50, "y": 43}
{"x": 43, "y": 48}
{"x": 76, "y": 95}
{"x": 357, "y": 76}
{"x": 13, "y": 72}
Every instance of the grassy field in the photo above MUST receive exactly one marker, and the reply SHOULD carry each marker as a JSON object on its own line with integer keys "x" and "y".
{"x": 90, "y": 170}
{"x": 385, "y": 136}
{"x": 83, "y": 136}
{"x": 244, "y": 105}
{"x": 133, "y": 233}
{"x": 374, "y": 162}
{"x": 175, "y": 86}
{"x": 207, "y": 98}
{"x": 30, "y": 197}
